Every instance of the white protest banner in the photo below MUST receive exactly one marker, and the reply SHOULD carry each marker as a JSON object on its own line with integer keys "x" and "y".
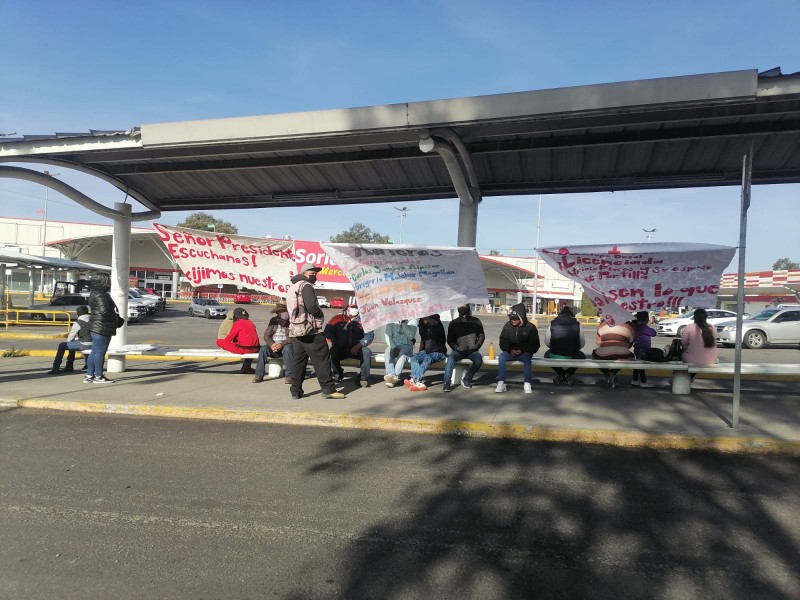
{"x": 207, "y": 258}
{"x": 394, "y": 282}
{"x": 623, "y": 279}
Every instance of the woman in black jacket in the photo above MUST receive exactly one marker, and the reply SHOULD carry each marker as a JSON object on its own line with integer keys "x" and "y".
{"x": 103, "y": 320}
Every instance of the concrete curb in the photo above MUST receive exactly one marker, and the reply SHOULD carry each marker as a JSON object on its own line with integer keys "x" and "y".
{"x": 624, "y": 439}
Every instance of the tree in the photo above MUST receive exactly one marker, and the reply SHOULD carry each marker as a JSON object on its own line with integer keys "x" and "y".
{"x": 587, "y": 308}
{"x": 784, "y": 264}
{"x": 360, "y": 234}
{"x": 201, "y": 220}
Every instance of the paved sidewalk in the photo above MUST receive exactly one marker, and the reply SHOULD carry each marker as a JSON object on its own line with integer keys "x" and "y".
{"x": 628, "y": 416}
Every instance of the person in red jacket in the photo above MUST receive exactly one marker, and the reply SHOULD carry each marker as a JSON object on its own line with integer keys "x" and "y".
{"x": 242, "y": 338}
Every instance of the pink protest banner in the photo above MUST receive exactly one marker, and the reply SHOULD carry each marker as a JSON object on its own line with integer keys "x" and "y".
{"x": 266, "y": 265}
{"x": 626, "y": 278}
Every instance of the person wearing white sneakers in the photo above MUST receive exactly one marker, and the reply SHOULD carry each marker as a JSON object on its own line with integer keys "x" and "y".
{"x": 519, "y": 340}
{"x": 432, "y": 348}
{"x": 399, "y": 348}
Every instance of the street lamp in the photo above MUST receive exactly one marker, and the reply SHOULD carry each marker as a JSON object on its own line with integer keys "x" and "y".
{"x": 649, "y": 233}
{"x": 403, "y": 212}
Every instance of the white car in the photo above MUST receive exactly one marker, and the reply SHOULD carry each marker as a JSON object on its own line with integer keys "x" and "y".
{"x": 208, "y": 308}
{"x": 770, "y": 326}
{"x": 676, "y": 325}
{"x": 323, "y": 302}
{"x": 150, "y": 304}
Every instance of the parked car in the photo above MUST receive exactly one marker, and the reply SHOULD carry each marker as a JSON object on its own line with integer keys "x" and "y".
{"x": 161, "y": 303}
{"x": 208, "y": 308}
{"x": 323, "y": 302}
{"x": 242, "y": 298}
{"x": 67, "y": 303}
{"x": 151, "y": 305}
{"x": 338, "y": 302}
{"x": 675, "y": 326}
{"x": 770, "y": 326}
{"x": 134, "y": 313}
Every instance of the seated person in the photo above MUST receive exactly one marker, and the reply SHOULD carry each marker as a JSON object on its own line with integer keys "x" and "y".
{"x": 465, "y": 336}
{"x": 276, "y": 344}
{"x": 432, "y": 348}
{"x": 613, "y": 343}
{"x": 399, "y": 348}
{"x": 78, "y": 338}
{"x": 564, "y": 338}
{"x": 642, "y": 348}
{"x": 699, "y": 341}
{"x": 519, "y": 340}
{"x": 347, "y": 339}
{"x": 242, "y": 338}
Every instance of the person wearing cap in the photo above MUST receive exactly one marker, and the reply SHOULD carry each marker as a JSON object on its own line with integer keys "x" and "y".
{"x": 306, "y": 321}
{"x": 103, "y": 323}
{"x": 276, "y": 344}
{"x": 519, "y": 341}
{"x": 564, "y": 338}
{"x": 347, "y": 339}
{"x": 242, "y": 338}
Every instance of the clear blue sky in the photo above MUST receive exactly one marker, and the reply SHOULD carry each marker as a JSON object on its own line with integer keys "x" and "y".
{"x": 75, "y": 66}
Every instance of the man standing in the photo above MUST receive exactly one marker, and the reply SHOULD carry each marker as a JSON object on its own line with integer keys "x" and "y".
{"x": 103, "y": 322}
{"x": 519, "y": 340}
{"x": 276, "y": 344}
{"x": 565, "y": 339}
{"x": 465, "y": 336}
{"x": 306, "y": 321}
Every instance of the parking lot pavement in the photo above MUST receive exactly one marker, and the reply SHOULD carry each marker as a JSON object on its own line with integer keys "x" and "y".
{"x": 626, "y": 416}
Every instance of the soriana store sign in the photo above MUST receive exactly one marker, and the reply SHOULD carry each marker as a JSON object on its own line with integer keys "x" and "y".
{"x": 312, "y": 252}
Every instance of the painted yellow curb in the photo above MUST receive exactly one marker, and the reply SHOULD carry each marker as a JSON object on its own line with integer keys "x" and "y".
{"x": 33, "y": 336}
{"x": 624, "y": 439}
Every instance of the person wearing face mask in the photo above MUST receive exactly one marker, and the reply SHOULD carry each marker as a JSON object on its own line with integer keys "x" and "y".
{"x": 306, "y": 321}
{"x": 276, "y": 344}
{"x": 465, "y": 336}
{"x": 347, "y": 339}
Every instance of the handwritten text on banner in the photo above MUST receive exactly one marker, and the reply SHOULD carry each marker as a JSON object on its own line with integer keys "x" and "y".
{"x": 623, "y": 279}
{"x": 394, "y": 282}
{"x": 206, "y": 258}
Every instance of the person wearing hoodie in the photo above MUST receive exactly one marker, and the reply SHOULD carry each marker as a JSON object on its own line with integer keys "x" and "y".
{"x": 103, "y": 322}
{"x": 465, "y": 336}
{"x": 242, "y": 338}
{"x": 519, "y": 340}
{"x": 347, "y": 339}
{"x": 565, "y": 339}
{"x": 306, "y": 321}
{"x": 399, "y": 349}
{"x": 79, "y": 338}
{"x": 432, "y": 348}
{"x": 276, "y": 344}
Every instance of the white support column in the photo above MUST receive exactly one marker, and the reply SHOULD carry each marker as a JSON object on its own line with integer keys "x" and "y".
{"x": 3, "y": 297}
{"x": 31, "y": 286}
{"x": 120, "y": 272}
{"x": 176, "y": 282}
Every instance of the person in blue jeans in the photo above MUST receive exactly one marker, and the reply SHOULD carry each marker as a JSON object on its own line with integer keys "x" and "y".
{"x": 103, "y": 321}
{"x": 399, "y": 349}
{"x": 432, "y": 348}
{"x": 276, "y": 344}
{"x": 465, "y": 336}
{"x": 79, "y": 338}
{"x": 519, "y": 340}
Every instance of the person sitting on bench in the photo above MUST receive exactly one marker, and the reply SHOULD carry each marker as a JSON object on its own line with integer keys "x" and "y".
{"x": 242, "y": 338}
{"x": 564, "y": 337}
{"x": 78, "y": 338}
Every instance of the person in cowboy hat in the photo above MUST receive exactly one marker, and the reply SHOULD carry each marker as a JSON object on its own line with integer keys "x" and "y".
{"x": 276, "y": 338}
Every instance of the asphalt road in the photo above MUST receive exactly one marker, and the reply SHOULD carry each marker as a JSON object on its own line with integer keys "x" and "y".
{"x": 176, "y": 329}
{"x": 97, "y": 506}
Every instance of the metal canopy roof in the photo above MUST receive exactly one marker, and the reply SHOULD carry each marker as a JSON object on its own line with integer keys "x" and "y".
{"x": 659, "y": 133}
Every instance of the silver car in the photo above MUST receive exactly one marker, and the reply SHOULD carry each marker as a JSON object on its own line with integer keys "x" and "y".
{"x": 675, "y": 326}
{"x": 770, "y": 326}
{"x": 208, "y": 308}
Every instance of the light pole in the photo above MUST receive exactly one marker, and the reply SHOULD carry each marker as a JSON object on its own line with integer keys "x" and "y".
{"x": 44, "y": 230}
{"x": 403, "y": 212}
{"x": 649, "y": 233}
{"x": 536, "y": 262}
